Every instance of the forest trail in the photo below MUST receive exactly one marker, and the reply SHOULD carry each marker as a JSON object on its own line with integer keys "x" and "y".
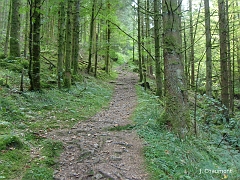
{"x": 92, "y": 151}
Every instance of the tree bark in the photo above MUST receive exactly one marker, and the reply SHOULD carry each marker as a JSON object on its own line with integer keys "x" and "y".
{"x": 139, "y": 43}
{"x": 15, "y": 29}
{"x": 108, "y": 31}
{"x": 176, "y": 113}
{"x": 192, "y": 45}
{"x": 75, "y": 50}
{"x": 157, "y": 49}
{"x": 8, "y": 30}
{"x": 223, "y": 55}
{"x": 230, "y": 77}
{"x": 61, "y": 25}
{"x": 68, "y": 61}
{"x": 91, "y": 37}
{"x": 208, "y": 49}
{"x": 35, "y": 49}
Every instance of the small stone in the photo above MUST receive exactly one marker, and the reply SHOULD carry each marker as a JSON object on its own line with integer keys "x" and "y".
{"x": 115, "y": 158}
{"x": 96, "y": 145}
{"x": 98, "y": 176}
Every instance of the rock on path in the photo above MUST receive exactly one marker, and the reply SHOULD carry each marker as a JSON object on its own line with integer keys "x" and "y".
{"x": 91, "y": 151}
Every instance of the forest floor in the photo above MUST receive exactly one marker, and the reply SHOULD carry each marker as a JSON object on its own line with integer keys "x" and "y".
{"x": 104, "y": 146}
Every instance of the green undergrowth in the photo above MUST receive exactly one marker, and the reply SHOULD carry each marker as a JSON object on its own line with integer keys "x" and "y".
{"x": 122, "y": 128}
{"x": 168, "y": 157}
{"x": 26, "y": 119}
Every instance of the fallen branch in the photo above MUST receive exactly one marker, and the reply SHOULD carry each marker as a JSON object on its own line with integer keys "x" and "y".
{"x": 48, "y": 61}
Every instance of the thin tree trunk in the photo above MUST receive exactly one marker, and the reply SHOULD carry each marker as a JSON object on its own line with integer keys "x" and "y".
{"x": 67, "y": 75}
{"x": 107, "y": 61}
{"x": 192, "y": 45}
{"x": 91, "y": 37}
{"x": 230, "y": 78}
{"x": 157, "y": 49}
{"x": 144, "y": 60}
{"x": 186, "y": 62}
{"x": 208, "y": 49}
{"x": 30, "y": 42}
{"x": 26, "y": 33}
{"x": 139, "y": 44}
{"x": 61, "y": 25}
{"x": 15, "y": 29}
{"x": 75, "y": 50}
{"x": 96, "y": 50}
{"x": 8, "y": 30}
{"x": 238, "y": 49}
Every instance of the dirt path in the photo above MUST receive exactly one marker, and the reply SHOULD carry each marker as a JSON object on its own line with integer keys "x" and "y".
{"x": 93, "y": 152}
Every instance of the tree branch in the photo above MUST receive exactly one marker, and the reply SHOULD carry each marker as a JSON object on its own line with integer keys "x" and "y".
{"x": 133, "y": 39}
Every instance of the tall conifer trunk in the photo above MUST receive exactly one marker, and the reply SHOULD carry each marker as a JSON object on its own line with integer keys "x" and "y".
{"x": 139, "y": 43}
{"x": 15, "y": 29}
{"x": 157, "y": 48}
{"x": 223, "y": 55}
{"x": 91, "y": 37}
{"x": 61, "y": 25}
{"x": 68, "y": 61}
{"x": 34, "y": 45}
{"x": 208, "y": 49}
{"x": 176, "y": 113}
{"x": 75, "y": 46}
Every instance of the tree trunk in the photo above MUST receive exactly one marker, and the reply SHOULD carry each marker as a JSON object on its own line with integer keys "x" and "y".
{"x": 192, "y": 45}
{"x": 67, "y": 75}
{"x": 107, "y": 61}
{"x": 91, "y": 37}
{"x": 208, "y": 50}
{"x": 176, "y": 112}
{"x": 15, "y": 30}
{"x": 36, "y": 24}
{"x": 26, "y": 33}
{"x": 139, "y": 43}
{"x": 157, "y": 49}
{"x": 223, "y": 55}
{"x": 238, "y": 50}
{"x": 75, "y": 49}
{"x": 230, "y": 77}
{"x": 186, "y": 62}
{"x": 8, "y": 30}
{"x": 61, "y": 25}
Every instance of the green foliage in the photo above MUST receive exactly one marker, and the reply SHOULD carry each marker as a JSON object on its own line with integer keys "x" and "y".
{"x": 15, "y": 65}
{"x": 121, "y": 128}
{"x": 8, "y": 109}
{"x": 51, "y": 150}
{"x": 32, "y": 114}
{"x": 211, "y": 110}
{"x": 13, "y": 163}
{"x": 10, "y": 142}
{"x": 42, "y": 168}
{"x": 168, "y": 157}
{"x": 38, "y": 173}
{"x": 2, "y": 56}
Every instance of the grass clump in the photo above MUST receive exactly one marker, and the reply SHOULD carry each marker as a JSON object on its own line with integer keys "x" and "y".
{"x": 10, "y": 142}
{"x": 42, "y": 167}
{"x": 168, "y": 157}
{"x": 122, "y": 128}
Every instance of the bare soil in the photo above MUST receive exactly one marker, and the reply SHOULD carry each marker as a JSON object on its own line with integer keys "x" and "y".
{"x": 92, "y": 151}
